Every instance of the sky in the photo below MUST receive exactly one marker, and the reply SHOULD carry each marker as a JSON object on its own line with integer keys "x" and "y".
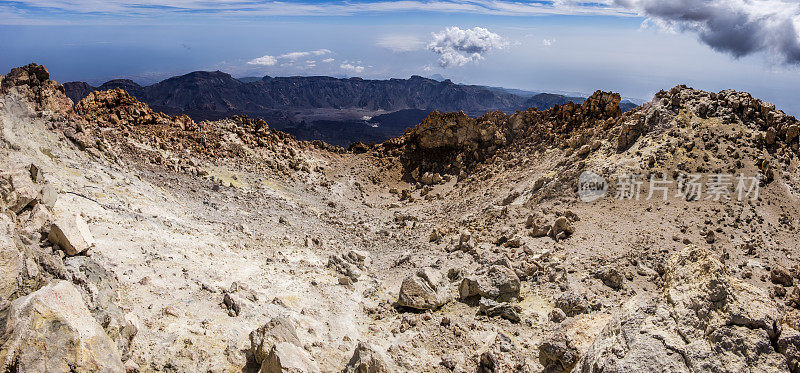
{"x": 635, "y": 47}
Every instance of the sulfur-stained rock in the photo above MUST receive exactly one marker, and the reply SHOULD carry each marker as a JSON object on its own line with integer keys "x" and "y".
{"x": 71, "y": 234}
{"x": 52, "y": 330}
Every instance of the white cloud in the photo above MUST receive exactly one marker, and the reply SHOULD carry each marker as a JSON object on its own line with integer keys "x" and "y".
{"x": 400, "y": 43}
{"x": 298, "y": 55}
{"x": 263, "y": 61}
{"x": 328, "y": 60}
{"x": 548, "y": 42}
{"x": 350, "y": 67}
{"x": 457, "y": 47}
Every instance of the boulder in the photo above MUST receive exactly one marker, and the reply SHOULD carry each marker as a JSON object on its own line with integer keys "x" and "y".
{"x": 285, "y": 357}
{"x": 562, "y": 228}
{"x": 562, "y": 350}
{"x": 500, "y": 283}
{"x": 369, "y": 359}
{"x": 52, "y": 330}
{"x": 425, "y": 290}
{"x": 279, "y": 329}
{"x": 71, "y": 234}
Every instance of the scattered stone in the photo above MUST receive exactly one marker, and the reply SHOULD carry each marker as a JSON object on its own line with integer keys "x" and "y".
{"x": 710, "y": 237}
{"x": 71, "y": 234}
{"x": 169, "y": 310}
{"x": 467, "y": 242}
{"x": 487, "y": 363}
{"x": 360, "y": 258}
{"x": 431, "y": 178}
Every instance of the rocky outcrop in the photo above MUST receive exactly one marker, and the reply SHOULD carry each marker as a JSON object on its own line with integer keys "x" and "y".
{"x": 116, "y": 108}
{"x": 729, "y": 106}
{"x": 452, "y": 142}
{"x": 52, "y": 330}
{"x": 706, "y": 320}
{"x": 33, "y": 82}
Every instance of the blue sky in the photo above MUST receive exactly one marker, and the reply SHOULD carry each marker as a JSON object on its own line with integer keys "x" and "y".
{"x": 635, "y": 47}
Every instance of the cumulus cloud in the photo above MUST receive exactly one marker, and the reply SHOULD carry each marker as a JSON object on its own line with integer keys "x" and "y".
{"x": 736, "y": 27}
{"x": 328, "y": 60}
{"x": 457, "y": 47}
{"x": 351, "y": 67}
{"x": 263, "y": 61}
{"x": 298, "y": 55}
{"x": 548, "y": 42}
{"x": 400, "y": 43}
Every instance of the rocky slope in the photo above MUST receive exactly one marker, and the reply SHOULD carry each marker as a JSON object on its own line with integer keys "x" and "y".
{"x": 142, "y": 242}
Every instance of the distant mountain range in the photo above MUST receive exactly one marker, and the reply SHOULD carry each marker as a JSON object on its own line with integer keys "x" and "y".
{"x": 339, "y": 111}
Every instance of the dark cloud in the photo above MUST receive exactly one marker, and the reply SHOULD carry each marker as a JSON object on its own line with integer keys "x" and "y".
{"x": 737, "y": 27}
